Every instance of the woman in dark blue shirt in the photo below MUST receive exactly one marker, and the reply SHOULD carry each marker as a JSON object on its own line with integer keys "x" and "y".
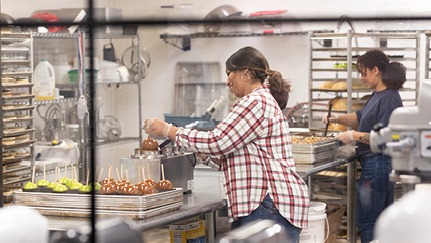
{"x": 375, "y": 191}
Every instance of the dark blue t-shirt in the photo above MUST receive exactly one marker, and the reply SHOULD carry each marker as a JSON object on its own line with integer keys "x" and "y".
{"x": 378, "y": 109}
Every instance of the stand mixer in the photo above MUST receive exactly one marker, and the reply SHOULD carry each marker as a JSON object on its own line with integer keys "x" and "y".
{"x": 407, "y": 139}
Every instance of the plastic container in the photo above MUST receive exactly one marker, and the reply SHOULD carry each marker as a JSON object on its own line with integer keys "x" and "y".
{"x": 74, "y": 78}
{"x": 316, "y": 224}
{"x": 408, "y": 219}
{"x": 44, "y": 80}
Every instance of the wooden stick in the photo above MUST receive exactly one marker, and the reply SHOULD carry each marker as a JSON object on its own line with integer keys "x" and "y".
{"x": 118, "y": 174}
{"x": 100, "y": 175}
{"x": 97, "y": 167}
{"x": 71, "y": 170}
{"x": 139, "y": 172}
{"x": 143, "y": 174}
{"x": 148, "y": 170}
{"x": 76, "y": 177}
{"x": 88, "y": 175}
{"x": 127, "y": 174}
{"x": 43, "y": 171}
{"x": 32, "y": 179}
{"x": 163, "y": 172}
{"x": 59, "y": 175}
{"x": 56, "y": 173}
{"x": 109, "y": 175}
{"x": 121, "y": 171}
{"x": 65, "y": 168}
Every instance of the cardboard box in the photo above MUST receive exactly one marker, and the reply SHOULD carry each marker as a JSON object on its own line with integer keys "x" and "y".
{"x": 190, "y": 232}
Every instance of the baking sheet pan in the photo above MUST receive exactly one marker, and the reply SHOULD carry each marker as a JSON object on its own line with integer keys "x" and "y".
{"x": 85, "y": 213}
{"x": 103, "y": 202}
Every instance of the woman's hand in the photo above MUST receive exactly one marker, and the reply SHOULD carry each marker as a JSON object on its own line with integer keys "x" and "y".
{"x": 156, "y": 127}
{"x": 333, "y": 119}
{"x": 346, "y": 137}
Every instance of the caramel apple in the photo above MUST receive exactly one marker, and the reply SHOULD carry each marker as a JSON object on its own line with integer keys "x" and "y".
{"x": 146, "y": 189}
{"x": 151, "y": 182}
{"x": 130, "y": 189}
{"x": 164, "y": 184}
{"x": 150, "y": 144}
{"x": 108, "y": 189}
{"x": 105, "y": 181}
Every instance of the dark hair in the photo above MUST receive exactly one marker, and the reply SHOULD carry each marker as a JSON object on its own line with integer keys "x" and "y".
{"x": 393, "y": 73}
{"x": 253, "y": 60}
{"x": 394, "y": 76}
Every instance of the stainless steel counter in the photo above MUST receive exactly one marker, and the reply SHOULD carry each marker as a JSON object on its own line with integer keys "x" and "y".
{"x": 207, "y": 197}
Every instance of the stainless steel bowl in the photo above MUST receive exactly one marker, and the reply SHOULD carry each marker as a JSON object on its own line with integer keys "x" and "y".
{"x": 218, "y": 14}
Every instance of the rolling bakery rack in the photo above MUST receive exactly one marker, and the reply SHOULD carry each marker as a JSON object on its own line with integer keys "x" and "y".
{"x": 330, "y": 82}
{"x": 17, "y": 132}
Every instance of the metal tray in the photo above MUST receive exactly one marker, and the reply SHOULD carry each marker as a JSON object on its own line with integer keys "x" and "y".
{"x": 7, "y": 133}
{"x": 103, "y": 202}
{"x": 16, "y": 159}
{"x": 19, "y": 145}
{"x": 18, "y": 97}
{"x": 329, "y": 144}
{"x": 85, "y": 213}
{"x": 21, "y": 108}
{"x": 325, "y": 156}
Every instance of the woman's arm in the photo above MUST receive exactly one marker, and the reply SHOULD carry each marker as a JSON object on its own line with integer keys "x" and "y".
{"x": 351, "y": 136}
{"x": 348, "y": 120}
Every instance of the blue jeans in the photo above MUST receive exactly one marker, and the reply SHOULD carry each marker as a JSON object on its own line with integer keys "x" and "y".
{"x": 375, "y": 193}
{"x": 267, "y": 210}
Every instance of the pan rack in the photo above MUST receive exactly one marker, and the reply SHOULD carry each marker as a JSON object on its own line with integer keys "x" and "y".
{"x": 17, "y": 87}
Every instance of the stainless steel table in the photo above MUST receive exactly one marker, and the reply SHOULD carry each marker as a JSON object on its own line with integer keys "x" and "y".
{"x": 206, "y": 198}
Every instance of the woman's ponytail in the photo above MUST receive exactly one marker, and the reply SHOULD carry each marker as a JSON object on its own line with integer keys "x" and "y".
{"x": 279, "y": 87}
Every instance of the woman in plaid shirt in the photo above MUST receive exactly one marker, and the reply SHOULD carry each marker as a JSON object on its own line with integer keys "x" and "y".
{"x": 251, "y": 146}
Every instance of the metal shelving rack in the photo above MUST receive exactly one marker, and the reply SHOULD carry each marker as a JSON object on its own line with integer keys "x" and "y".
{"x": 183, "y": 42}
{"x": 427, "y": 55}
{"x": 321, "y": 61}
{"x": 83, "y": 125}
{"x": 17, "y": 62}
{"x": 317, "y": 66}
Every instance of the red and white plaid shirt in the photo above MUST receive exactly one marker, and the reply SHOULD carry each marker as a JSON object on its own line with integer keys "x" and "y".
{"x": 252, "y": 147}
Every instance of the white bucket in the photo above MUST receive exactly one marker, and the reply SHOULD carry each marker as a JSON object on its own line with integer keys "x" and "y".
{"x": 316, "y": 224}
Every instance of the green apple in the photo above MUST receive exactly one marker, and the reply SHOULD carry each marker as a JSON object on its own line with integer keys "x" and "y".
{"x": 64, "y": 181}
{"x": 97, "y": 186}
{"x": 343, "y": 65}
{"x": 52, "y": 184}
{"x": 70, "y": 182}
{"x": 60, "y": 188}
{"x": 85, "y": 189}
{"x": 42, "y": 183}
{"x": 30, "y": 186}
{"x": 336, "y": 65}
{"x": 75, "y": 185}
{"x": 354, "y": 66}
